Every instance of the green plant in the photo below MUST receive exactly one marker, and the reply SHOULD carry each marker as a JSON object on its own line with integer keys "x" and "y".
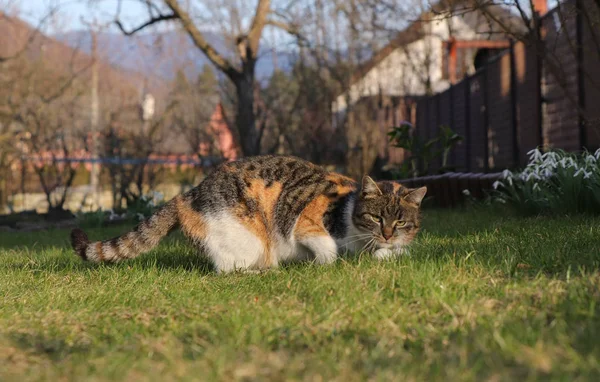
{"x": 448, "y": 139}
{"x": 422, "y": 152}
{"x": 145, "y": 206}
{"x": 554, "y": 182}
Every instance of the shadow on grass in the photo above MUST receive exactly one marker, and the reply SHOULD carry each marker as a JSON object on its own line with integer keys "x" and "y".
{"x": 56, "y": 349}
{"x": 175, "y": 261}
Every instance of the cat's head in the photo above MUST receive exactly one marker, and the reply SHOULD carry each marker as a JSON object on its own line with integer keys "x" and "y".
{"x": 388, "y": 211}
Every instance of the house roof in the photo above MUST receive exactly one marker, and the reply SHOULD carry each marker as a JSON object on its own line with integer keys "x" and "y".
{"x": 489, "y": 20}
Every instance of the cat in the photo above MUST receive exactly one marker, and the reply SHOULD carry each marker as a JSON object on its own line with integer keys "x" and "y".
{"x": 258, "y": 212}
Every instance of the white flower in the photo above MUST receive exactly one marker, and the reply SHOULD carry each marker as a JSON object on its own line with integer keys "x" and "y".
{"x": 532, "y": 175}
{"x": 506, "y": 174}
{"x": 534, "y": 155}
{"x": 547, "y": 173}
{"x": 466, "y": 192}
{"x": 536, "y": 187}
{"x": 497, "y": 184}
{"x": 597, "y": 154}
{"x": 510, "y": 181}
{"x": 590, "y": 159}
{"x": 580, "y": 171}
{"x": 587, "y": 175}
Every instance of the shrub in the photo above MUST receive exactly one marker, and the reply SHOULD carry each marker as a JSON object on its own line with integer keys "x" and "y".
{"x": 141, "y": 209}
{"x": 423, "y": 153}
{"x": 554, "y": 182}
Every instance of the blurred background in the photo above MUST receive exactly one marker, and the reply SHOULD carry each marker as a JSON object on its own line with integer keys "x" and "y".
{"x": 108, "y": 105}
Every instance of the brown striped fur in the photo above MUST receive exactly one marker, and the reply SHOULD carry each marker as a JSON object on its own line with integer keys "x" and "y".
{"x": 253, "y": 213}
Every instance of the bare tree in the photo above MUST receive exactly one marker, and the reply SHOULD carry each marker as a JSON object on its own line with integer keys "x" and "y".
{"x": 129, "y": 142}
{"x": 238, "y": 67}
{"x": 194, "y": 105}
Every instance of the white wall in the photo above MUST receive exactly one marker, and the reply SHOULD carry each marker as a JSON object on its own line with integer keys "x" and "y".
{"x": 405, "y": 70}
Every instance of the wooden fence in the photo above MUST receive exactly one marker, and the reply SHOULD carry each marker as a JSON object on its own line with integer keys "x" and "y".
{"x": 451, "y": 189}
{"x": 520, "y": 101}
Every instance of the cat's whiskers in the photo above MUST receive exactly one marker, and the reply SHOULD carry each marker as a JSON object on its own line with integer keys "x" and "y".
{"x": 367, "y": 246}
{"x": 354, "y": 241}
{"x": 360, "y": 234}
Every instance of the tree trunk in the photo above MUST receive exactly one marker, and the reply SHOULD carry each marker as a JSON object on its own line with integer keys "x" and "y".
{"x": 245, "y": 119}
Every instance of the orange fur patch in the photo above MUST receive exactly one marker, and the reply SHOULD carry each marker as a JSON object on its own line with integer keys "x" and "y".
{"x": 310, "y": 221}
{"x": 261, "y": 223}
{"x": 192, "y": 223}
{"x": 396, "y": 187}
{"x": 99, "y": 251}
{"x": 345, "y": 184}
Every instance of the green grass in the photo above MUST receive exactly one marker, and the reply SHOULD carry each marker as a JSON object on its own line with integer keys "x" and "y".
{"x": 484, "y": 296}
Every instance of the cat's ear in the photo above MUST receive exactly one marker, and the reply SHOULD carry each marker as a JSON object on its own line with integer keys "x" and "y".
{"x": 369, "y": 188}
{"x": 416, "y": 195}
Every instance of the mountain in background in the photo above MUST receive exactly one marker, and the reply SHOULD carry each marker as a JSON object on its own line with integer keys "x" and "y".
{"x": 163, "y": 54}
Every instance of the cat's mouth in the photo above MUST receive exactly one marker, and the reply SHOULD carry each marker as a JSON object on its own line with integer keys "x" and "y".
{"x": 385, "y": 243}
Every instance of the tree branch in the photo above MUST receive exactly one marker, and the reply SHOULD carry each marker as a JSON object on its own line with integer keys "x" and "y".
{"x": 289, "y": 28}
{"x": 258, "y": 23}
{"x": 151, "y": 21}
{"x": 217, "y": 59}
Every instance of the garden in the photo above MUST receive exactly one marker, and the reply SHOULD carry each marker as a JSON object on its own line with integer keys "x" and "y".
{"x": 501, "y": 289}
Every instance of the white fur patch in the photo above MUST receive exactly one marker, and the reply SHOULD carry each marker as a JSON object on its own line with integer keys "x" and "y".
{"x": 388, "y": 253}
{"x": 231, "y": 245}
{"x": 90, "y": 253}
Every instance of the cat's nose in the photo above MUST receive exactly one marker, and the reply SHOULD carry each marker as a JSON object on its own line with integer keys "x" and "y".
{"x": 387, "y": 233}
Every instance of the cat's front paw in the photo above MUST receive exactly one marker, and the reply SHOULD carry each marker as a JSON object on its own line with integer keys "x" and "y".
{"x": 388, "y": 253}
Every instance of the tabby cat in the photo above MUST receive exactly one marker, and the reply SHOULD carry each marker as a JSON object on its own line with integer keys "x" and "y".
{"x": 258, "y": 212}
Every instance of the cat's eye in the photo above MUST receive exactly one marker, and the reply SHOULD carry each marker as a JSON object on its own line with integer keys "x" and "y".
{"x": 376, "y": 219}
{"x": 400, "y": 224}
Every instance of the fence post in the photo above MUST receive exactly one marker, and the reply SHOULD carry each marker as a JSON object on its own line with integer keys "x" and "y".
{"x": 513, "y": 104}
{"x": 540, "y": 77}
{"x": 438, "y": 110}
{"x": 452, "y": 124}
{"x": 486, "y": 149}
{"x": 468, "y": 121}
{"x": 580, "y": 74}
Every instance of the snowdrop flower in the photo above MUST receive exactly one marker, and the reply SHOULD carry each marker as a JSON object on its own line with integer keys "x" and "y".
{"x": 534, "y": 154}
{"x": 510, "y": 181}
{"x": 532, "y": 175}
{"x": 587, "y": 175}
{"x": 506, "y": 174}
{"x": 590, "y": 159}
{"x": 536, "y": 187}
{"x": 466, "y": 192}
{"x": 563, "y": 163}
{"x": 597, "y": 154}
{"x": 497, "y": 184}
{"x": 578, "y": 172}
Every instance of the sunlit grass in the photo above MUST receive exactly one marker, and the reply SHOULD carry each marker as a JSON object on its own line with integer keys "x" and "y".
{"x": 483, "y": 296}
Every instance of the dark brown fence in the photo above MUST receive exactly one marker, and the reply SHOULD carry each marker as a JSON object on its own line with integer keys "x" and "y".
{"x": 451, "y": 189}
{"x": 524, "y": 98}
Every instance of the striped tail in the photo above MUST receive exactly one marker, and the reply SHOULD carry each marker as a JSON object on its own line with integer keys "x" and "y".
{"x": 143, "y": 238}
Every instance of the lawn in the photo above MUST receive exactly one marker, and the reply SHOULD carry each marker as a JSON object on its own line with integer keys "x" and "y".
{"x": 484, "y": 296}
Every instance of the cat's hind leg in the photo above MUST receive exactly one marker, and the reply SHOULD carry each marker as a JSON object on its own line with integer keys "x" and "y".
{"x": 231, "y": 245}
